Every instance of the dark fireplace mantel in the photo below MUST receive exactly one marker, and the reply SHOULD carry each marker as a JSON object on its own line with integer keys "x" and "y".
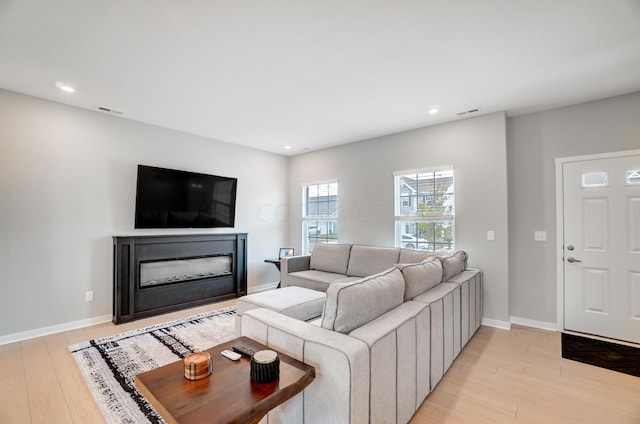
{"x": 133, "y": 300}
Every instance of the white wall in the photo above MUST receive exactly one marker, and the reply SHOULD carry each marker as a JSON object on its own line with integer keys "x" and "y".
{"x": 67, "y": 185}
{"x": 475, "y": 147}
{"x": 534, "y": 141}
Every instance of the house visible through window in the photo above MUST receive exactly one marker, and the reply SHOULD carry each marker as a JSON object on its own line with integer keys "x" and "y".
{"x": 425, "y": 213}
{"x": 319, "y": 214}
{"x": 633, "y": 176}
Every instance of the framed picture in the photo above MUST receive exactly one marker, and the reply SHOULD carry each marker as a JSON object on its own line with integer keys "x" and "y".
{"x": 285, "y": 251}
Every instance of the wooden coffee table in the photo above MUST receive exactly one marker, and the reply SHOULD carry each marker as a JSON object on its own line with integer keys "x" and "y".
{"x": 228, "y": 395}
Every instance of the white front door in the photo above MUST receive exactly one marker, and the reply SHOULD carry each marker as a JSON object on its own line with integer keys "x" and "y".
{"x": 601, "y": 247}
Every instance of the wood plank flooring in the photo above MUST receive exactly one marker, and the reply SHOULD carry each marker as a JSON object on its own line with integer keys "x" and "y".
{"x": 501, "y": 376}
{"x": 519, "y": 376}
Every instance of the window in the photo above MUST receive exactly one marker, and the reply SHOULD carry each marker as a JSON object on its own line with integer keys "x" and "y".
{"x": 595, "y": 179}
{"x": 425, "y": 213}
{"x": 633, "y": 177}
{"x": 319, "y": 214}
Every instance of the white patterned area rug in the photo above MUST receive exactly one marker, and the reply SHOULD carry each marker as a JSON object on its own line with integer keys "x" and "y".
{"x": 108, "y": 365}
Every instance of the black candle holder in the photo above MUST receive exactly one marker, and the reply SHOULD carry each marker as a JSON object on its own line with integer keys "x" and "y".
{"x": 265, "y": 366}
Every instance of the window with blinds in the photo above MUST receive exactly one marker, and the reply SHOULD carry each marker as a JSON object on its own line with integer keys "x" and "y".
{"x": 425, "y": 209}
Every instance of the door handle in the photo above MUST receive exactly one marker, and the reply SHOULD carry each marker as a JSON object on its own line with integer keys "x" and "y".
{"x": 572, "y": 260}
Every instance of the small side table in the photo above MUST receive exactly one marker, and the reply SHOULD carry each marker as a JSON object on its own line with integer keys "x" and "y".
{"x": 276, "y": 262}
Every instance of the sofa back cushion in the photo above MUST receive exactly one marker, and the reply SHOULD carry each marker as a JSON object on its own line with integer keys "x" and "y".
{"x": 419, "y": 278}
{"x": 411, "y": 256}
{"x": 453, "y": 265}
{"x": 365, "y": 260}
{"x": 350, "y": 305}
{"x": 330, "y": 257}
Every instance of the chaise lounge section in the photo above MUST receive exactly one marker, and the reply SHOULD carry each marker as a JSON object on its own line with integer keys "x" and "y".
{"x": 383, "y": 341}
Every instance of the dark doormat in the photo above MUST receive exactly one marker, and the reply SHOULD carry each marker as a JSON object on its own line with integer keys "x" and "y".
{"x": 612, "y": 356}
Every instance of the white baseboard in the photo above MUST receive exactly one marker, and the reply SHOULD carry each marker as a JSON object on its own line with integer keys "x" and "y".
{"x": 505, "y": 325}
{"x": 542, "y": 325}
{"x": 46, "y": 331}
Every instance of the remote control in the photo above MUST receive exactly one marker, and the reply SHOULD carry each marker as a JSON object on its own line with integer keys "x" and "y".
{"x": 231, "y": 355}
{"x": 244, "y": 350}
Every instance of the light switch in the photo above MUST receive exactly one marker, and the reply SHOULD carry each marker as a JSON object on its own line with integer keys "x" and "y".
{"x": 540, "y": 235}
{"x": 491, "y": 235}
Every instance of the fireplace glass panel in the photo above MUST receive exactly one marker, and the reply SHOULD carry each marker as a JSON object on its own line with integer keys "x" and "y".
{"x": 179, "y": 270}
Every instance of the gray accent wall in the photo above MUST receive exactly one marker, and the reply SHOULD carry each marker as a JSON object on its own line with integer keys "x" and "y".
{"x": 476, "y": 148}
{"x": 68, "y": 184}
{"x": 534, "y": 141}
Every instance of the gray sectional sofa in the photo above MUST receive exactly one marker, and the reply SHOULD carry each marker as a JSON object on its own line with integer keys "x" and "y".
{"x": 382, "y": 342}
{"x": 343, "y": 263}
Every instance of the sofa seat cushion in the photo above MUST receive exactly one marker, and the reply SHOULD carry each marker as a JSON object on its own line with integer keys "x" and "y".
{"x": 319, "y": 276}
{"x": 295, "y": 302}
{"x": 365, "y": 260}
{"x": 348, "y": 280}
{"x": 330, "y": 257}
{"x": 421, "y": 277}
{"x": 350, "y": 305}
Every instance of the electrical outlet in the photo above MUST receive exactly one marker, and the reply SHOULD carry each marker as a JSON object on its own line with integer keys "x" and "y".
{"x": 88, "y": 296}
{"x": 540, "y": 235}
{"x": 491, "y": 235}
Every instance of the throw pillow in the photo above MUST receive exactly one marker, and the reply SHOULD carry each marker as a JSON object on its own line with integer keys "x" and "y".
{"x": 419, "y": 278}
{"x": 350, "y": 305}
{"x": 453, "y": 265}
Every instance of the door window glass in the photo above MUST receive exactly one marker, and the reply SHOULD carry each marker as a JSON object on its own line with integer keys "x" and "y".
{"x": 595, "y": 179}
{"x": 633, "y": 176}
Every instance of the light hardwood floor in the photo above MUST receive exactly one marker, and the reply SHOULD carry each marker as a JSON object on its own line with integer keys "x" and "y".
{"x": 500, "y": 377}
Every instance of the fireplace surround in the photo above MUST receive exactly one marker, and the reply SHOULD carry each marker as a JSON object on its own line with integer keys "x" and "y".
{"x": 153, "y": 275}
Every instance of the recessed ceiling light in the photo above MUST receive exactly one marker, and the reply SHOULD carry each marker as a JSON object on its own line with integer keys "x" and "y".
{"x": 287, "y": 147}
{"x": 433, "y": 111}
{"x": 65, "y": 87}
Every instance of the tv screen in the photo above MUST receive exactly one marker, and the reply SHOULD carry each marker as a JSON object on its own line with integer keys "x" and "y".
{"x": 168, "y": 198}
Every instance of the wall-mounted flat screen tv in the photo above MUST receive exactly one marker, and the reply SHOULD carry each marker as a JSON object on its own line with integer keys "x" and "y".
{"x": 169, "y": 198}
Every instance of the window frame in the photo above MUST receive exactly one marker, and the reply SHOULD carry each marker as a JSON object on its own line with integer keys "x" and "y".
{"x": 326, "y": 225}
{"x": 429, "y": 232}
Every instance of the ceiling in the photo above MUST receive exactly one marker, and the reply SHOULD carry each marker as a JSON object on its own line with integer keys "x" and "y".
{"x": 314, "y": 74}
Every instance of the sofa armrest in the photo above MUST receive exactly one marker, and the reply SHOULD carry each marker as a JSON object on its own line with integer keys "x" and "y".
{"x": 294, "y": 264}
{"x": 340, "y": 391}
